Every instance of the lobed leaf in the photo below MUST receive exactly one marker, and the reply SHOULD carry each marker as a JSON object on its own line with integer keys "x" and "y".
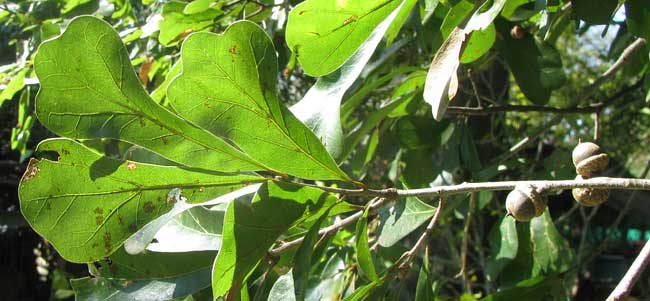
{"x": 110, "y": 199}
{"x": 230, "y": 90}
{"x": 89, "y": 90}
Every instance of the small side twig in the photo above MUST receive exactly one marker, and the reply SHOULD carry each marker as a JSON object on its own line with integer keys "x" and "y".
{"x": 327, "y": 231}
{"x": 465, "y": 245}
{"x": 422, "y": 240}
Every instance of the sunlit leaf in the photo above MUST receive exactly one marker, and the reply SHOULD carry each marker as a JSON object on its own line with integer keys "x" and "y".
{"x": 89, "y": 90}
{"x": 177, "y": 23}
{"x": 401, "y": 219}
{"x": 325, "y": 33}
{"x": 250, "y": 229}
{"x": 231, "y": 91}
{"x": 110, "y": 199}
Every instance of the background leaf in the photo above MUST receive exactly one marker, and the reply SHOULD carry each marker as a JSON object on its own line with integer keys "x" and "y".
{"x": 325, "y": 33}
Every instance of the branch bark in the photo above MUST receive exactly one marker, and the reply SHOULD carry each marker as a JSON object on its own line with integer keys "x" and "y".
{"x": 632, "y": 275}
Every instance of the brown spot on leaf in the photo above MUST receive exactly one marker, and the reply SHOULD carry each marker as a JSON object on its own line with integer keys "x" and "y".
{"x": 99, "y": 219}
{"x": 233, "y": 49}
{"x": 48, "y": 205}
{"x": 32, "y": 170}
{"x": 301, "y": 12}
{"x": 120, "y": 220}
{"x": 141, "y": 121}
{"x": 99, "y": 210}
{"x": 148, "y": 207}
{"x": 108, "y": 242}
{"x": 131, "y": 166}
{"x": 164, "y": 140}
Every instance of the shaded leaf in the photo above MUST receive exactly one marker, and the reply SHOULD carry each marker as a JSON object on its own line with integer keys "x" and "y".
{"x": 594, "y": 11}
{"x": 637, "y": 16}
{"x": 163, "y": 229}
{"x": 100, "y": 288}
{"x": 364, "y": 258}
{"x": 538, "y": 288}
{"x": 303, "y": 258}
{"x": 154, "y": 265}
{"x": 89, "y": 90}
{"x": 111, "y": 198}
{"x": 401, "y": 219}
{"x": 230, "y": 91}
{"x": 250, "y": 229}
{"x": 325, "y": 33}
{"x": 504, "y": 245}
{"x": 283, "y": 289}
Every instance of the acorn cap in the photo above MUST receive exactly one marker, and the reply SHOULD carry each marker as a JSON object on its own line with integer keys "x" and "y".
{"x": 588, "y": 159}
{"x": 589, "y": 197}
{"x": 524, "y": 203}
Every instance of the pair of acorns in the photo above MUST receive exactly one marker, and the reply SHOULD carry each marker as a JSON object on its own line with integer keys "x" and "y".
{"x": 526, "y": 201}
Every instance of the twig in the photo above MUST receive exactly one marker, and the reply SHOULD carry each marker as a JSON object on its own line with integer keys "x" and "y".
{"x": 603, "y": 245}
{"x": 588, "y": 91}
{"x": 440, "y": 191}
{"x": 596, "y": 126}
{"x": 327, "y": 231}
{"x": 482, "y": 111}
{"x": 408, "y": 256}
{"x": 611, "y": 71}
{"x": 465, "y": 244}
{"x": 632, "y": 275}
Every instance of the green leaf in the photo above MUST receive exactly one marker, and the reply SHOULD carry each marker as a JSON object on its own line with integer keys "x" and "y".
{"x": 89, "y": 90}
{"x": 303, "y": 258}
{"x": 331, "y": 282}
{"x": 154, "y": 265}
{"x": 551, "y": 250}
{"x": 519, "y": 10}
{"x": 283, "y": 289}
{"x": 504, "y": 244}
{"x": 164, "y": 231}
{"x": 196, "y": 229}
{"x": 325, "y": 33}
{"x": 230, "y": 91}
{"x": 176, "y": 23}
{"x": 250, "y": 229}
{"x": 16, "y": 84}
{"x": 364, "y": 258}
{"x": 527, "y": 64}
{"x": 396, "y": 25}
{"x": 100, "y": 288}
{"x": 197, "y": 6}
{"x": 594, "y": 11}
{"x": 478, "y": 44}
{"x": 161, "y": 91}
{"x": 538, "y": 288}
{"x": 401, "y": 219}
{"x": 320, "y": 108}
{"x": 110, "y": 199}
{"x": 637, "y": 14}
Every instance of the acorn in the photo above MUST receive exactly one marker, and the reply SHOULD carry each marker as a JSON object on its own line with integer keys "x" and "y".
{"x": 525, "y": 202}
{"x": 589, "y": 197}
{"x": 588, "y": 159}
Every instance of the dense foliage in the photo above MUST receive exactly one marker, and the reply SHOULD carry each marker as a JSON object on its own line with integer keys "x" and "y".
{"x": 249, "y": 150}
